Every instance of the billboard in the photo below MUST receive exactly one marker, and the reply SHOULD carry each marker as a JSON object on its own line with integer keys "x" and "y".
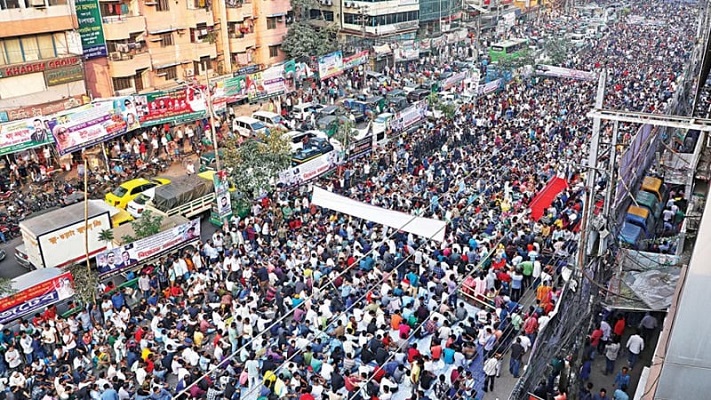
{"x": 33, "y": 298}
{"x": 90, "y": 30}
{"x": 265, "y": 84}
{"x": 58, "y": 248}
{"x": 330, "y": 65}
{"x": 130, "y": 254}
{"x": 103, "y": 121}
{"x": 24, "y": 134}
{"x": 222, "y": 194}
{"x": 355, "y": 60}
{"x": 173, "y": 106}
{"x": 408, "y": 117}
{"x": 310, "y": 170}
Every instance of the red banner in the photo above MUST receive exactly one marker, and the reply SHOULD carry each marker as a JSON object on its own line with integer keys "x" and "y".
{"x": 62, "y": 284}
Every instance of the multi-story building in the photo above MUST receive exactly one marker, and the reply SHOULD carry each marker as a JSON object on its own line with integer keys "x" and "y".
{"x": 439, "y": 15}
{"x": 373, "y": 21}
{"x": 40, "y": 58}
{"x": 155, "y": 44}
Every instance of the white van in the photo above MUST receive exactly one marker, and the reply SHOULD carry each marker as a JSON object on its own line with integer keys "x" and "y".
{"x": 269, "y": 119}
{"x": 248, "y": 127}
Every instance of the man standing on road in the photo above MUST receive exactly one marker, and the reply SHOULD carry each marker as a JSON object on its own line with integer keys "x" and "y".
{"x": 635, "y": 345}
{"x": 517, "y": 351}
{"x": 648, "y": 325}
{"x": 490, "y": 367}
{"x": 612, "y": 349}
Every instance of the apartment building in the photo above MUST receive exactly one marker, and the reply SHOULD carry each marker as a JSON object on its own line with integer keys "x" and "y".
{"x": 157, "y": 44}
{"x": 40, "y": 58}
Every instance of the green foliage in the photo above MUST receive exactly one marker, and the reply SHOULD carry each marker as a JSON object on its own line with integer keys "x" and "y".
{"x": 6, "y": 288}
{"x": 526, "y": 57}
{"x": 86, "y": 283}
{"x": 344, "y": 133}
{"x": 106, "y": 235}
{"x": 301, "y": 8}
{"x": 304, "y": 40}
{"x": 148, "y": 225}
{"x": 556, "y": 50}
{"x": 255, "y": 163}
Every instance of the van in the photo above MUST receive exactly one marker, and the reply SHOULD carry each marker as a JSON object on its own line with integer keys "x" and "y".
{"x": 270, "y": 119}
{"x": 417, "y": 95}
{"x": 248, "y": 127}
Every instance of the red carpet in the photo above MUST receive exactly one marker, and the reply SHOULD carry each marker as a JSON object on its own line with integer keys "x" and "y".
{"x": 545, "y": 197}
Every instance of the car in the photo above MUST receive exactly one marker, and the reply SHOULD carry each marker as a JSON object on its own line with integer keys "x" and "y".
{"x": 127, "y": 191}
{"x": 297, "y": 138}
{"x": 313, "y": 148}
{"x": 136, "y": 206}
{"x": 303, "y": 111}
{"x": 270, "y": 119}
{"x": 249, "y": 127}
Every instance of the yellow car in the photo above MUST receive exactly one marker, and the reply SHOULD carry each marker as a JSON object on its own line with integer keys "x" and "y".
{"x": 128, "y": 191}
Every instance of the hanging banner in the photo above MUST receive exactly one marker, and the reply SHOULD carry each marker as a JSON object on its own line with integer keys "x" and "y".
{"x": 453, "y": 80}
{"x": 33, "y": 298}
{"x": 228, "y": 91}
{"x": 174, "y": 106}
{"x": 222, "y": 194}
{"x": 355, "y": 60}
{"x": 408, "y": 117}
{"x": 406, "y": 51}
{"x": 310, "y": 170}
{"x": 489, "y": 87}
{"x": 103, "y": 121}
{"x": 361, "y": 147}
{"x": 265, "y": 84}
{"x": 23, "y": 135}
{"x": 90, "y": 29}
{"x": 330, "y": 65}
{"x": 130, "y": 254}
{"x": 425, "y": 44}
{"x": 560, "y": 72}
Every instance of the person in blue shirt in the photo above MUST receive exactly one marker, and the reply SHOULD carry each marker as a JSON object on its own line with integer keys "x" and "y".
{"x": 109, "y": 393}
{"x": 602, "y": 395}
{"x": 621, "y": 393}
{"x": 622, "y": 378}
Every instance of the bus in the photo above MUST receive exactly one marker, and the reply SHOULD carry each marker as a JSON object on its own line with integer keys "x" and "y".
{"x": 507, "y": 49}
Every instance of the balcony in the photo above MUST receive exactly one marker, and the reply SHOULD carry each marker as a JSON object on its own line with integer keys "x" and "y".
{"x": 239, "y": 42}
{"x": 238, "y": 13}
{"x": 197, "y": 16}
{"x": 204, "y": 49}
{"x": 119, "y": 27}
{"x": 50, "y": 18}
{"x": 126, "y": 64}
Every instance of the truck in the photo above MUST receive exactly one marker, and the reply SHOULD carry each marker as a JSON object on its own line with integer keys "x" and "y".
{"x": 55, "y": 239}
{"x": 187, "y": 196}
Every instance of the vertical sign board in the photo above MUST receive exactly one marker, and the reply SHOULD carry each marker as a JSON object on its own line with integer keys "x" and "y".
{"x": 90, "y": 30}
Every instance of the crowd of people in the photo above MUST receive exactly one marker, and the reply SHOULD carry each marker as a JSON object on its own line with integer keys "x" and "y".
{"x": 296, "y": 301}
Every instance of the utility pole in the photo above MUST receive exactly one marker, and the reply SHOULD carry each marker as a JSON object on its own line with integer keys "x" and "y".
{"x": 208, "y": 99}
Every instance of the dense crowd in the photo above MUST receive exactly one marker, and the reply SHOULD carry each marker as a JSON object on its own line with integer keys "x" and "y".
{"x": 295, "y": 301}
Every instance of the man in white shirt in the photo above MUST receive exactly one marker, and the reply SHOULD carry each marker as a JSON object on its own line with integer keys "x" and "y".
{"x": 635, "y": 345}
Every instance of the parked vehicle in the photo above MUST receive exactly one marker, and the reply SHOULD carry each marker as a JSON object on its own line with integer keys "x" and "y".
{"x": 638, "y": 228}
{"x": 187, "y": 196}
{"x": 270, "y": 119}
{"x": 249, "y": 127}
{"x": 127, "y": 191}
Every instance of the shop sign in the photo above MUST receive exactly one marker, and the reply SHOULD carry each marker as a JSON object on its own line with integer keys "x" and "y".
{"x": 64, "y": 75}
{"x": 39, "y": 66}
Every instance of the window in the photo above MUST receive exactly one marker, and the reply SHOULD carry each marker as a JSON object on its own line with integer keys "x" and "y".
{"x": 271, "y": 22}
{"x": 7, "y": 4}
{"x": 13, "y": 50}
{"x": 169, "y": 73}
{"x": 201, "y": 34}
{"x": 163, "y": 5}
{"x": 122, "y": 83}
{"x": 30, "y": 48}
{"x": 46, "y": 46}
{"x": 138, "y": 80}
{"x": 166, "y": 39}
{"x": 274, "y": 51}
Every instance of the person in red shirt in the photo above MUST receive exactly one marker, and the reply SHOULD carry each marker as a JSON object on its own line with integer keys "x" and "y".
{"x": 619, "y": 328}
{"x": 413, "y": 353}
{"x": 595, "y": 337}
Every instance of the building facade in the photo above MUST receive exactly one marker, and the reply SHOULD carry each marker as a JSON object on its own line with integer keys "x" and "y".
{"x": 41, "y": 68}
{"x": 156, "y": 44}
{"x": 438, "y": 16}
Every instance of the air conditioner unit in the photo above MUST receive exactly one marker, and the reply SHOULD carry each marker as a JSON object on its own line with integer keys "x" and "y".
{"x": 37, "y": 3}
{"x": 348, "y": 5}
{"x": 115, "y": 56}
{"x": 189, "y": 72}
{"x": 329, "y": 3}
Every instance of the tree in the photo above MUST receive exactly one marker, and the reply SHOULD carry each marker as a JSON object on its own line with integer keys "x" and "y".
{"x": 304, "y": 40}
{"x": 148, "y": 225}
{"x": 556, "y": 50}
{"x": 345, "y": 133}
{"x": 525, "y": 57}
{"x": 6, "y": 288}
{"x": 255, "y": 164}
{"x": 86, "y": 283}
{"x": 106, "y": 236}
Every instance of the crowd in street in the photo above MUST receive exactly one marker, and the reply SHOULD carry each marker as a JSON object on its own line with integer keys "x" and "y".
{"x": 295, "y": 301}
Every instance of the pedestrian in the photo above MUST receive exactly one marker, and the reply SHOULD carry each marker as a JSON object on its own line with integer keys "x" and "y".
{"x": 612, "y": 349}
{"x": 635, "y": 345}
{"x": 490, "y": 368}
{"x": 517, "y": 352}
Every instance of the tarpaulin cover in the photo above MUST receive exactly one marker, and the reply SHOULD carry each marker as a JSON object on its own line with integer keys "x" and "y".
{"x": 180, "y": 191}
{"x": 426, "y": 227}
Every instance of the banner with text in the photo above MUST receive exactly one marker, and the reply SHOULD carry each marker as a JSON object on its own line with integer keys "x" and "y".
{"x": 560, "y": 72}
{"x": 330, "y": 65}
{"x": 23, "y": 135}
{"x": 174, "y": 106}
{"x": 90, "y": 29}
{"x": 408, "y": 117}
{"x": 310, "y": 170}
{"x": 104, "y": 121}
{"x": 355, "y": 60}
{"x": 265, "y": 84}
{"x": 222, "y": 194}
{"x": 33, "y": 298}
{"x": 130, "y": 254}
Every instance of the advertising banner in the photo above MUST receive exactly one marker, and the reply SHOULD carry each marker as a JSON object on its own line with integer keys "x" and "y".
{"x": 409, "y": 116}
{"x": 22, "y": 135}
{"x": 90, "y": 30}
{"x": 54, "y": 77}
{"x": 310, "y": 170}
{"x": 265, "y": 84}
{"x": 130, "y": 254}
{"x": 55, "y": 246}
{"x": 406, "y": 51}
{"x": 361, "y": 147}
{"x": 355, "y": 60}
{"x": 222, "y": 194}
{"x": 489, "y": 87}
{"x": 228, "y": 91}
{"x": 43, "y": 294}
{"x": 330, "y": 65}
{"x": 453, "y": 80}
{"x": 103, "y": 121}
{"x": 560, "y": 72}
{"x": 174, "y": 106}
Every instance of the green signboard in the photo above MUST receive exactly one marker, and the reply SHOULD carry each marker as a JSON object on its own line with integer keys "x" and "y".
{"x": 90, "y": 30}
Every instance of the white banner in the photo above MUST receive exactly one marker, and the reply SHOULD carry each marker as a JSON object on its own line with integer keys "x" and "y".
{"x": 310, "y": 170}
{"x": 409, "y": 116}
{"x": 560, "y": 72}
{"x": 60, "y": 248}
{"x": 431, "y": 229}
{"x": 489, "y": 87}
{"x": 130, "y": 254}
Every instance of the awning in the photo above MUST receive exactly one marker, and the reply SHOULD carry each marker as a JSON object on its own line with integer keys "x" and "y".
{"x": 166, "y": 65}
{"x": 477, "y": 8}
{"x": 166, "y": 30}
{"x": 276, "y": 15}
